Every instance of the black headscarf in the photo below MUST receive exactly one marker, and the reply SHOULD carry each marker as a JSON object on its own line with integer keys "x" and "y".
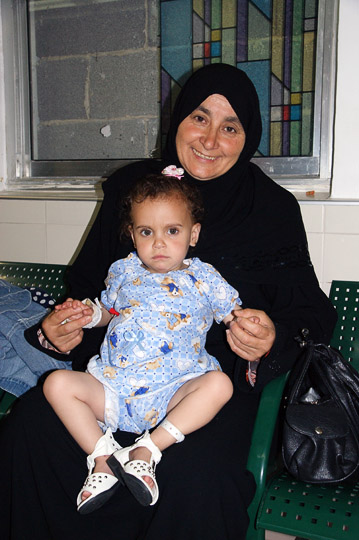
{"x": 253, "y": 230}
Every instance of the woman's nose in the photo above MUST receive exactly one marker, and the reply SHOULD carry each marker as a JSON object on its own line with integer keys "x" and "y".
{"x": 209, "y": 139}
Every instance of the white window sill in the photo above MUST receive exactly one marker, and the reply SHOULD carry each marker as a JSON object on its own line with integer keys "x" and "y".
{"x": 90, "y": 189}
{"x": 64, "y": 189}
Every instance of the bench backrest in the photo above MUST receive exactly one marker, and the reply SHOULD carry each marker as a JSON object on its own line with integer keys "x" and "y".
{"x": 344, "y": 295}
{"x": 49, "y": 277}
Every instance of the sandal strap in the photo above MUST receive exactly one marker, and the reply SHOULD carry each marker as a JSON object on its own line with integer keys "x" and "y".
{"x": 146, "y": 441}
{"x": 105, "y": 446}
{"x": 172, "y": 430}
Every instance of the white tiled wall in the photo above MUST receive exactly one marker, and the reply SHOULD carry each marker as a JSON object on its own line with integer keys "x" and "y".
{"x": 333, "y": 236}
{"x": 51, "y": 231}
{"x": 43, "y": 231}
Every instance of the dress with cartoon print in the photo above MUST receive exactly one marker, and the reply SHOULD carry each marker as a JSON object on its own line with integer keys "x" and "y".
{"x": 157, "y": 340}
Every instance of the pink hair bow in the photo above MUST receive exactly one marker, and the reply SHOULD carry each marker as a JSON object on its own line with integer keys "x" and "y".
{"x": 172, "y": 170}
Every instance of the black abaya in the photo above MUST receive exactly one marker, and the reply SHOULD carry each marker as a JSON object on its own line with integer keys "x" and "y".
{"x": 254, "y": 235}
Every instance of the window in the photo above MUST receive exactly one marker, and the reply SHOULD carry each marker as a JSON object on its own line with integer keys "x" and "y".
{"x": 88, "y": 95}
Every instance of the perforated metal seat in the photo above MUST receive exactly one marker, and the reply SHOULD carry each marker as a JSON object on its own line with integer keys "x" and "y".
{"x": 285, "y": 505}
{"x": 310, "y": 511}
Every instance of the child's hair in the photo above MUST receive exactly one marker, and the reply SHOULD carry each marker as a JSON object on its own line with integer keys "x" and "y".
{"x": 159, "y": 186}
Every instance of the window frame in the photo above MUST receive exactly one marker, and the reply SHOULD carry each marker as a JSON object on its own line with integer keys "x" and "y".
{"x": 297, "y": 174}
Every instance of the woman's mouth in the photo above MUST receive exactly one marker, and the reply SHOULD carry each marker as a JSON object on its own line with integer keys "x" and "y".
{"x": 202, "y": 156}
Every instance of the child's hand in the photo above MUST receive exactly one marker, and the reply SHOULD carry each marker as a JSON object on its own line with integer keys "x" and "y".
{"x": 78, "y": 309}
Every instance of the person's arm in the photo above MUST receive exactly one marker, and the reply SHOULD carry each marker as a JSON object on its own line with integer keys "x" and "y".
{"x": 291, "y": 308}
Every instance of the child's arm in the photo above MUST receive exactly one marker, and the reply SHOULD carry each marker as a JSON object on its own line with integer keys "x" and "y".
{"x": 100, "y": 317}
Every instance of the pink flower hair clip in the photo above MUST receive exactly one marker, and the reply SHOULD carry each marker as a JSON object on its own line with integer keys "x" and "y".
{"x": 172, "y": 170}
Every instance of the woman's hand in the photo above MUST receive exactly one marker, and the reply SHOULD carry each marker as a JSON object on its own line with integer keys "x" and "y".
{"x": 65, "y": 336}
{"x": 251, "y": 334}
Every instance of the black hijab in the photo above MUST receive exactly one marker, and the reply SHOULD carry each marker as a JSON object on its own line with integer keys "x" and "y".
{"x": 253, "y": 230}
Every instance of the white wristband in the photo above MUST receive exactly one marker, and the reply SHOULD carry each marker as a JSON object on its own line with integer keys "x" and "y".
{"x": 97, "y": 312}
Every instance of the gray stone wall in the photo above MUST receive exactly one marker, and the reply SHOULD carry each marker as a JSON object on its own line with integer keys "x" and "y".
{"x": 95, "y": 79}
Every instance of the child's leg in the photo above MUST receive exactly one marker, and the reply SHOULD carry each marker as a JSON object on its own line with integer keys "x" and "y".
{"x": 192, "y": 407}
{"x": 79, "y": 401}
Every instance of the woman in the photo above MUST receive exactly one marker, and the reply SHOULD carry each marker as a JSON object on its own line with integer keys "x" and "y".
{"x": 254, "y": 235}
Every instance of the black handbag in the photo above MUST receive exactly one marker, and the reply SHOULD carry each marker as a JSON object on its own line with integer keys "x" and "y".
{"x": 321, "y": 421}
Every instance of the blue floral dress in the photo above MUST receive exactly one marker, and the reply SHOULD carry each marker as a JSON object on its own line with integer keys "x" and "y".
{"x": 156, "y": 340}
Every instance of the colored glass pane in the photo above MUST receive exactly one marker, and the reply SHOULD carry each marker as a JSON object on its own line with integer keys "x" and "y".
{"x": 229, "y": 46}
{"x": 295, "y": 99}
{"x": 198, "y": 7}
{"x": 215, "y": 49}
{"x": 216, "y": 13}
{"x": 295, "y": 112}
{"x": 216, "y": 35}
{"x": 229, "y": 13}
{"x": 276, "y": 139}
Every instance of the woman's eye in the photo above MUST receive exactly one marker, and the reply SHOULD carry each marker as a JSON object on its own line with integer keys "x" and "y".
{"x": 230, "y": 129}
{"x": 199, "y": 118}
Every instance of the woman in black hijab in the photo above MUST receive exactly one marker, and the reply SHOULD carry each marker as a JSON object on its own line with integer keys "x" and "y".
{"x": 253, "y": 233}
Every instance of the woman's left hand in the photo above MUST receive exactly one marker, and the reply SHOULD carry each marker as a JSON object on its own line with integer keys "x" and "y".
{"x": 250, "y": 339}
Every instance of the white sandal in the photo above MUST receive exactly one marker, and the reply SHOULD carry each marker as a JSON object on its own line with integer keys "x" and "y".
{"x": 101, "y": 486}
{"x": 131, "y": 472}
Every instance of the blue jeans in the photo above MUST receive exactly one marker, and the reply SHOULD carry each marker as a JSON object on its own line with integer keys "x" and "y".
{"x": 21, "y": 364}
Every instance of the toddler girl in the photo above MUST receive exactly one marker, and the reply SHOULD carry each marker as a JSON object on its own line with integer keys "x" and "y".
{"x": 153, "y": 370}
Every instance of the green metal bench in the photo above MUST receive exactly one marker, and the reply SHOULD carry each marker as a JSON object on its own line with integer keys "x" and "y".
{"x": 49, "y": 277}
{"x": 281, "y": 503}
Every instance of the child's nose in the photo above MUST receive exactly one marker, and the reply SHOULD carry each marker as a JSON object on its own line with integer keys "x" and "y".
{"x": 158, "y": 241}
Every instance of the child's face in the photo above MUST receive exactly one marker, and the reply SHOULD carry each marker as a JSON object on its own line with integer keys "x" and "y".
{"x": 162, "y": 232}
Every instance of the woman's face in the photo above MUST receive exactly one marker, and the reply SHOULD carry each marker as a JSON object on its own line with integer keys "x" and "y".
{"x": 210, "y": 140}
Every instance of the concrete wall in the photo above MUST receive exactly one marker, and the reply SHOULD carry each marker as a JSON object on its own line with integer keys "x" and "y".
{"x": 75, "y": 51}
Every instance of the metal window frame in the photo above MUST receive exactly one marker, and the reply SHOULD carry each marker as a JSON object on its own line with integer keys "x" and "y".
{"x": 294, "y": 173}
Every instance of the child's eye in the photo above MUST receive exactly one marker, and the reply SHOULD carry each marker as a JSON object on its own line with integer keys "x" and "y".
{"x": 145, "y": 232}
{"x": 172, "y": 231}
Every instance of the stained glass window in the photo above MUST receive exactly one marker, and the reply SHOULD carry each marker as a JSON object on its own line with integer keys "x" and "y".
{"x": 273, "y": 41}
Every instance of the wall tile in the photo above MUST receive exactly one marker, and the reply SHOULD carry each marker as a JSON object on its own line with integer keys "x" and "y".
{"x": 271, "y": 535}
{"x": 19, "y": 211}
{"x": 22, "y": 242}
{"x": 62, "y": 242}
{"x": 341, "y": 219}
{"x": 341, "y": 260}
{"x": 312, "y": 217}
{"x": 325, "y": 287}
{"x": 71, "y": 212}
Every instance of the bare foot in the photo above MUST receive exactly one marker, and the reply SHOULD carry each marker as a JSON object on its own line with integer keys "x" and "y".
{"x": 142, "y": 453}
{"x": 100, "y": 467}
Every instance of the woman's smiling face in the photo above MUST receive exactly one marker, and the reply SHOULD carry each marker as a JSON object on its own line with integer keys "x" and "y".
{"x": 210, "y": 140}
